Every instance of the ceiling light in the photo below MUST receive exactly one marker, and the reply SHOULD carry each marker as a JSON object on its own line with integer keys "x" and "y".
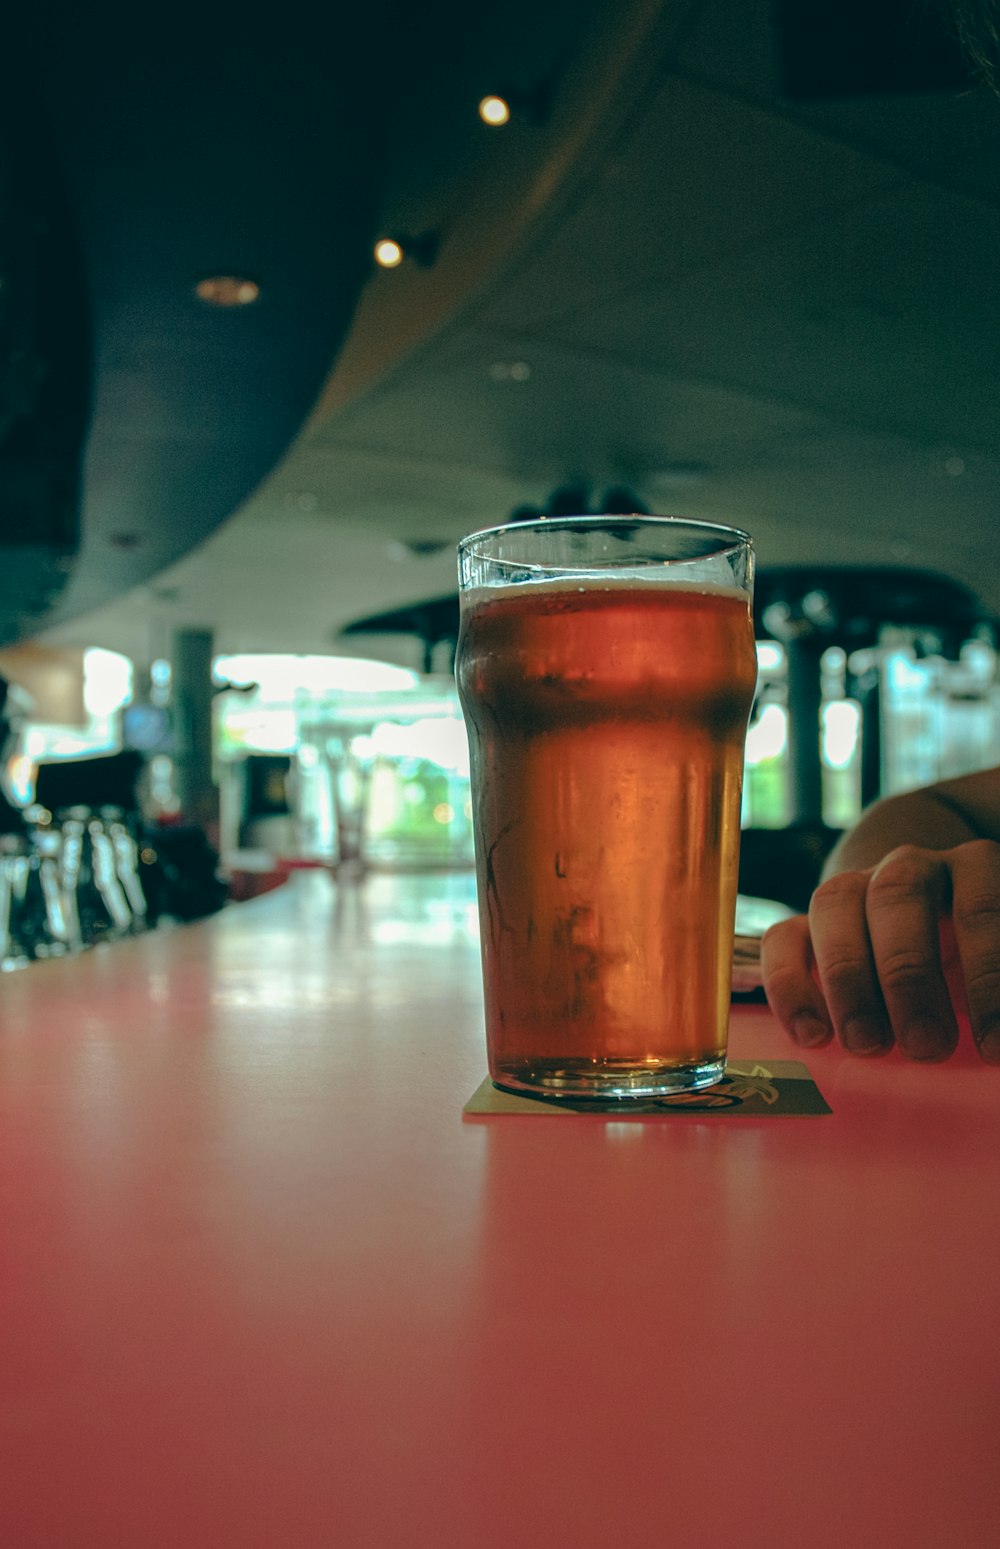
{"x": 531, "y": 104}
{"x": 510, "y": 371}
{"x": 390, "y": 252}
{"x": 494, "y": 111}
{"x": 227, "y": 290}
{"x": 302, "y": 500}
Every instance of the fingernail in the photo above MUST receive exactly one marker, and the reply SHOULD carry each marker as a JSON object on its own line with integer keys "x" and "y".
{"x": 928, "y": 1041}
{"x": 810, "y": 1031}
{"x": 865, "y": 1035}
{"x": 989, "y": 1046}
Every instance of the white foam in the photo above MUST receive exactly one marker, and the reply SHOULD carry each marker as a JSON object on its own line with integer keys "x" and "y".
{"x": 625, "y": 578}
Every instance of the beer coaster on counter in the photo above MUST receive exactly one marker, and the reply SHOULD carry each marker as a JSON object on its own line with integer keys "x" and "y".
{"x": 750, "y": 1088}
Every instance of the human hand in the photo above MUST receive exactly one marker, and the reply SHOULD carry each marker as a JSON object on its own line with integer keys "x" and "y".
{"x": 872, "y": 941}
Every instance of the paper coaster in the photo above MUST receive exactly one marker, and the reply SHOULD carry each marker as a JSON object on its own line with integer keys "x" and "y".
{"x": 749, "y": 1089}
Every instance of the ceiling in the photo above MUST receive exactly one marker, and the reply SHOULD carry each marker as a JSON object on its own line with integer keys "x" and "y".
{"x": 776, "y": 309}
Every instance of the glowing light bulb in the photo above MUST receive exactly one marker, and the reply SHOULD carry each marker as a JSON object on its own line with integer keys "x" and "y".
{"x": 388, "y": 253}
{"x": 494, "y": 111}
{"x": 227, "y": 290}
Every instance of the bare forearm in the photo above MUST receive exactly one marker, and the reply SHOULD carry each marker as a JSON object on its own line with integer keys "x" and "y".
{"x": 919, "y": 817}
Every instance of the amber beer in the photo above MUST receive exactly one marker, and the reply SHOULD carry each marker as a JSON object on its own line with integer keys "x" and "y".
{"x": 606, "y": 715}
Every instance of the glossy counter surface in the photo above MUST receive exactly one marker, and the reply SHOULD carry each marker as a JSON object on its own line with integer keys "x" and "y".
{"x": 263, "y": 1285}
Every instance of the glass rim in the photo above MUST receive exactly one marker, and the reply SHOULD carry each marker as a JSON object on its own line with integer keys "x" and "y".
{"x": 735, "y": 537}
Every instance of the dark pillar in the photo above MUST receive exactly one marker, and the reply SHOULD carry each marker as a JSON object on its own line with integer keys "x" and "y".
{"x": 867, "y": 692}
{"x": 191, "y": 694}
{"x": 805, "y": 771}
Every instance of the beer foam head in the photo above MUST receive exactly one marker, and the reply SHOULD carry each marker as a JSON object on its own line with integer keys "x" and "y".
{"x": 627, "y": 578}
{"x": 606, "y": 552}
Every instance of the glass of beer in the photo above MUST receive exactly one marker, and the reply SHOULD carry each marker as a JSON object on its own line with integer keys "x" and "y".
{"x": 606, "y": 667}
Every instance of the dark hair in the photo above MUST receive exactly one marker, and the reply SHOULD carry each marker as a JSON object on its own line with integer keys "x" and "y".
{"x": 976, "y": 25}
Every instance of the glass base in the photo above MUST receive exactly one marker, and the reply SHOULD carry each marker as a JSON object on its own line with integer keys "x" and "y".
{"x": 590, "y": 1082}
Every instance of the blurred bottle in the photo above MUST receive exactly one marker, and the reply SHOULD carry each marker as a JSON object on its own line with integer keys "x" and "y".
{"x": 13, "y": 879}
{"x": 106, "y": 879}
{"x": 126, "y": 862}
{"x": 90, "y": 879}
{"x": 46, "y": 928}
{"x": 70, "y": 865}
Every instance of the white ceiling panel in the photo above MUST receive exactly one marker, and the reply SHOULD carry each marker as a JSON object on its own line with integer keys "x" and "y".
{"x": 889, "y": 319}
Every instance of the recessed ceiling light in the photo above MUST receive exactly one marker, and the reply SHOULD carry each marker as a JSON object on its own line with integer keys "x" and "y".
{"x": 510, "y": 371}
{"x": 530, "y": 104}
{"x": 302, "y": 500}
{"x": 388, "y": 253}
{"x": 494, "y": 111}
{"x": 421, "y": 247}
{"x": 227, "y": 290}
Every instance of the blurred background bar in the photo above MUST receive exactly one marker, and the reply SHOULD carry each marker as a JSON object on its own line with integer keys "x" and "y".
{"x": 264, "y": 360}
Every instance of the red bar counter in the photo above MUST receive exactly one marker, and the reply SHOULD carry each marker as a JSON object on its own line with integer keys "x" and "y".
{"x": 263, "y": 1285}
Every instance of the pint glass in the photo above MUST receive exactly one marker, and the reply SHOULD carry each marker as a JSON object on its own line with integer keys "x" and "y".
{"x": 606, "y": 668}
